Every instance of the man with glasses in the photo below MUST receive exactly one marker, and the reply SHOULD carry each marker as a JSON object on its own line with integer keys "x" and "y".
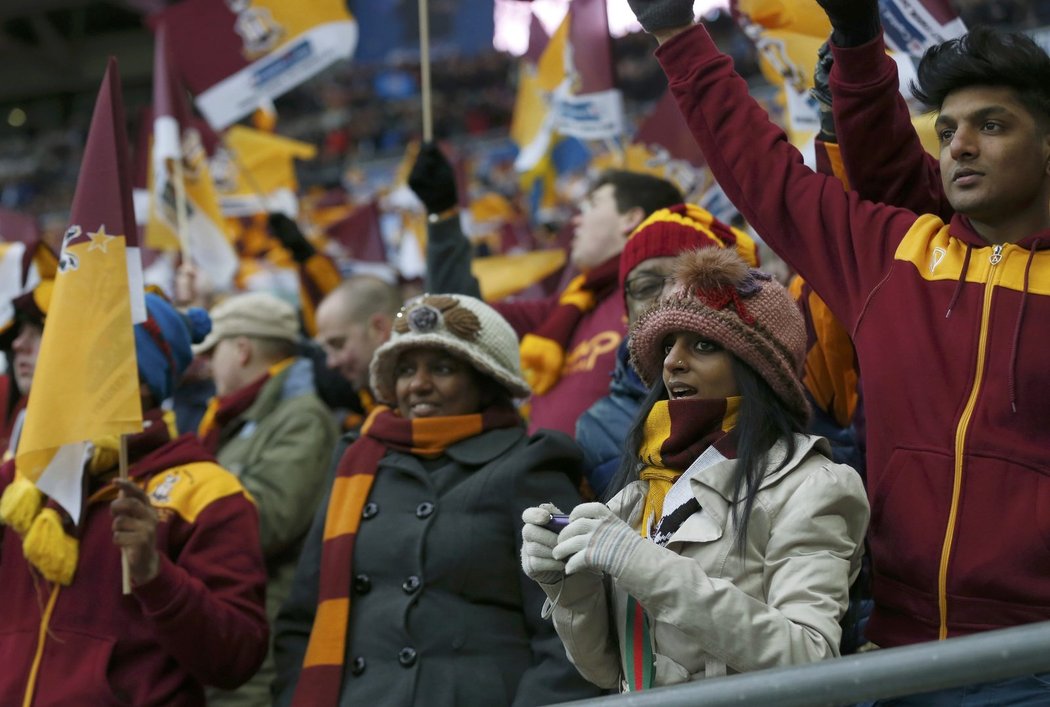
{"x": 645, "y": 273}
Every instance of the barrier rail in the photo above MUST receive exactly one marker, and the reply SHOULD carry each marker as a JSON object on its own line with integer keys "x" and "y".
{"x": 983, "y": 657}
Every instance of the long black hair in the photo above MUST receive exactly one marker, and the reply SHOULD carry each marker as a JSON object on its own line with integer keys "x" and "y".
{"x": 762, "y": 421}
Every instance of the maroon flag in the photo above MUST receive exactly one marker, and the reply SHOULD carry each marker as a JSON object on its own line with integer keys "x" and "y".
{"x": 15, "y": 226}
{"x": 591, "y": 45}
{"x": 537, "y": 41}
{"x": 665, "y": 127}
{"x": 361, "y": 234}
{"x": 237, "y": 56}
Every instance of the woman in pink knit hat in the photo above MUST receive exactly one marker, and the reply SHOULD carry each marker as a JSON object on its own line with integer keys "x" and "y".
{"x": 731, "y": 540}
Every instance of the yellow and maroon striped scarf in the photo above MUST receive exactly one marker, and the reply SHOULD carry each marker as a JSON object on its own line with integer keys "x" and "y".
{"x": 543, "y": 351}
{"x": 676, "y": 433}
{"x": 383, "y": 431}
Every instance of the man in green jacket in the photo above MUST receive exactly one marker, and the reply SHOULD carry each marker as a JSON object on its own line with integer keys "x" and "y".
{"x": 267, "y": 425}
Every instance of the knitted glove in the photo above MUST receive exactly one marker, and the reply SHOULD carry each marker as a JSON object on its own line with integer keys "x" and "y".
{"x": 433, "y": 180}
{"x": 287, "y": 232}
{"x": 537, "y": 543}
{"x": 853, "y": 22}
{"x": 596, "y": 539}
{"x": 655, "y": 15}
{"x": 821, "y": 91}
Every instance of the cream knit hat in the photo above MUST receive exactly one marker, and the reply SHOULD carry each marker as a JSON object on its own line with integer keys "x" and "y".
{"x": 465, "y": 327}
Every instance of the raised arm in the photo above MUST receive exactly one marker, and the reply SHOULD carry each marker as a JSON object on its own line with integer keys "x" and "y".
{"x": 449, "y": 252}
{"x": 840, "y": 243}
{"x": 881, "y": 152}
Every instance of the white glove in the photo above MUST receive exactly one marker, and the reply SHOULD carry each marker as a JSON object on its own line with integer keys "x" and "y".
{"x": 537, "y": 543}
{"x": 596, "y": 539}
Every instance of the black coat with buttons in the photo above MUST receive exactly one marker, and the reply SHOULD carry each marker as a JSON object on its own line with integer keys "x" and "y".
{"x": 440, "y": 611}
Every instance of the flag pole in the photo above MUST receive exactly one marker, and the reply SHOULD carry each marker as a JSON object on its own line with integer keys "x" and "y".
{"x": 181, "y": 210}
{"x": 125, "y": 568}
{"x": 424, "y": 69}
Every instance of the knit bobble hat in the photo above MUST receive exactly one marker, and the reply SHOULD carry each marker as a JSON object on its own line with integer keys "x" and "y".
{"x": 745, "y": 311}
{"x": 162, "y": 344}
{"x": 464, "y": 326}
{"x": 672, "y": 231}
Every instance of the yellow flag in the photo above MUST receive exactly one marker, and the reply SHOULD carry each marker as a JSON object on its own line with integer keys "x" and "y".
{"x": 254, "y": 172}
{"x": 85, "y": 386}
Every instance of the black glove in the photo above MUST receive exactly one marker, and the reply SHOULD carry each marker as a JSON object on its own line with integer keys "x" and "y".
{"x": 853, "y": 22}
{"x": 655, "y": 15}
{"x": 288, "y": 233}
{"x": 433, "y": 180}
{"x": 822, "y": 92}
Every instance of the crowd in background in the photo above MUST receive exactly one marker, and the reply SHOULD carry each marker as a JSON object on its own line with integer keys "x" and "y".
{"x": 652, "y": 467}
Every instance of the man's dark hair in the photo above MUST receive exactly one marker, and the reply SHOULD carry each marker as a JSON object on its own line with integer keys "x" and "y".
{"x": 637, "y": 189}
{"x": 986, "y": 57}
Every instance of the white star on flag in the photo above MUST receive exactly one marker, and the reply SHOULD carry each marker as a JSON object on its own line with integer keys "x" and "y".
{"x": 100, "y": 240}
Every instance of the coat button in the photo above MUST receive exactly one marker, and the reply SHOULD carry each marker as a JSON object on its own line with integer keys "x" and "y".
{"x": 424, "y": 509}
{"x": 407, "y": 657}
{"x": 370, "y": 510}
{"x": 362, "y": 584}
{"x": 357, "y": 665}
{"x": 411, "y": 584}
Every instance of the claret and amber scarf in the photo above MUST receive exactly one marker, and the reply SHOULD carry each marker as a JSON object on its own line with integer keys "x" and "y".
{"x": 676, "y": 433}
{"x": 543, "y": 351}
{"x": 383, "y": 431}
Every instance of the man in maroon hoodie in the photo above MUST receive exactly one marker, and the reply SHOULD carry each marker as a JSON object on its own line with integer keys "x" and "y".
{"x": 195, "y": 615}
{"x": 945, "y": 317}
{"x": 568, "y": 340}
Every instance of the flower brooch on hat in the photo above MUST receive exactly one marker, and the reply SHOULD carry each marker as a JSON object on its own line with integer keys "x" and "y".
{"x": 427, "y": 315}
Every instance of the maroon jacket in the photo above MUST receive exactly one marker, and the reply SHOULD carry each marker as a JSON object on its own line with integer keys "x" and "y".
{"x": 201, "y": 621}
{"x": 959, "y": 481}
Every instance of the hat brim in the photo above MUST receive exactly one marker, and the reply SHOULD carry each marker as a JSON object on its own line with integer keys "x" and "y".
{"x": 209, "y": 343}
{"x": 381, "y": 370}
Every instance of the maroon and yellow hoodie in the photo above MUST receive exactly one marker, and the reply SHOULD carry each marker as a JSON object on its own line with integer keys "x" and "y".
{"x": 948, "y": 331}
{"x": 201, "y": 621}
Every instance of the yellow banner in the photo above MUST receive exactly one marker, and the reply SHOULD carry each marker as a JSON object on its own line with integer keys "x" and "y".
{"x": 86, "y": 384}
{"x": 268, "y": 159}
{"x": 296, "y": 17}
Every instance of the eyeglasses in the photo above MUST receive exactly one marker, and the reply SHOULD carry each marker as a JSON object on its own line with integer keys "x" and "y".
{"x": 646, "y": 287}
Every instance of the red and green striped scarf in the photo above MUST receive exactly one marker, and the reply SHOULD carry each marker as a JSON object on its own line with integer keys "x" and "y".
{"x": 543, "y": 351}
{"x": 676, "y": 433}
{"x": 383, "y": 431}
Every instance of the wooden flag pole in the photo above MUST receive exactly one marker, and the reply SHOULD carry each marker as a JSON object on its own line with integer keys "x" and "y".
{"x": 424, "y": 68}
{"x": 125, "y": 568}
{"x": 181, "y": 210}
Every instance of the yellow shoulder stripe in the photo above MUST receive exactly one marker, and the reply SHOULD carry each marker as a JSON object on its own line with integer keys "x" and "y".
{"x": 938, "y": 256}
{"x": 189, "y": 489}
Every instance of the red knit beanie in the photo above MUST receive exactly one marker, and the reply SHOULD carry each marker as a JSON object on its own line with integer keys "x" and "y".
{"x": 669, "y": 232}
{"x": 745, "y": 311}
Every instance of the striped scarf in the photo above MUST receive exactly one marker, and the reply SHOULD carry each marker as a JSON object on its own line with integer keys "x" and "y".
{"x": 543, "y": 351}
{"x": 676, "y": 433}
{"x": 383, "y": 431}
{"x": 225, "y": 409}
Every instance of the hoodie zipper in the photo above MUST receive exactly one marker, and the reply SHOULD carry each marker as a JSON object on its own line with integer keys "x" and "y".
{"x": 960, "y": 443}
{"x": 45, "y": 623}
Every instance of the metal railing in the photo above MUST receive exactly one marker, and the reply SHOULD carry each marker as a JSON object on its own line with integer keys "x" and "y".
{"x": 893, "y": 672}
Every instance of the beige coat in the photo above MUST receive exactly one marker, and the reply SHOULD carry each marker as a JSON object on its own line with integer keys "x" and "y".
{"x": 711, "y": 609}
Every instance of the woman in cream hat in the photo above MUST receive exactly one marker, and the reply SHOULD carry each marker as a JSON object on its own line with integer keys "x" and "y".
{"x": 732, "y": 540}
{"x": 409, "y": 589}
